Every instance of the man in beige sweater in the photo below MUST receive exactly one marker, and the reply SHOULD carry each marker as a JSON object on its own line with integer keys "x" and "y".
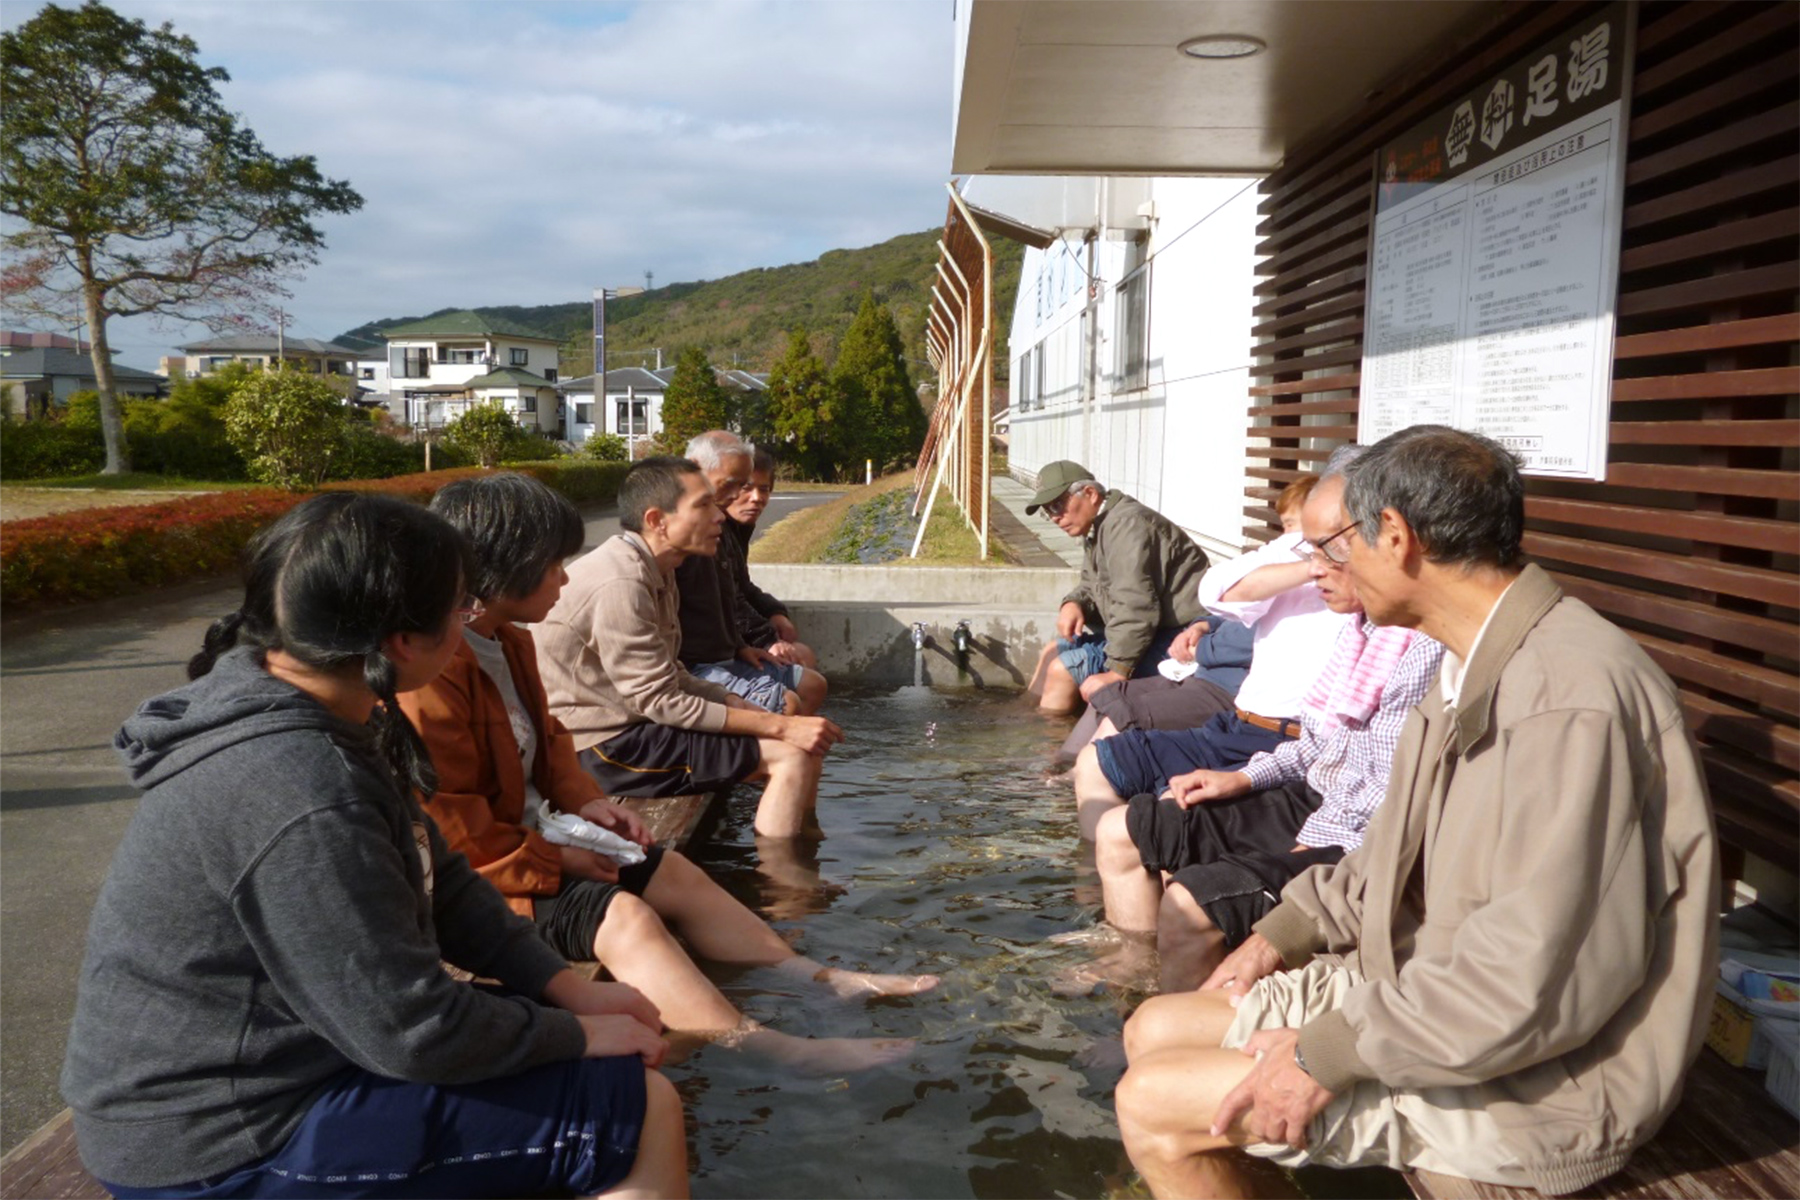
{"x": 609, "y": 654}
{"x": 1509, "y": 978}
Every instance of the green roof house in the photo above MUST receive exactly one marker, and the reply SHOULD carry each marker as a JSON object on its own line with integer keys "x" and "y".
{"x": 441, "y": 365}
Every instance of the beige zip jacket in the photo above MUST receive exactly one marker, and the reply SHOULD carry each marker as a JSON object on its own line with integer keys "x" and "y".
{"x": 1533, "y": 907}
{"x": 608, "y": 650}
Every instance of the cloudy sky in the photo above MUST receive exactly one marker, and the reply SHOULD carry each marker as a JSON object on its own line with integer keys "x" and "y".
{"x": 525, "y": 152}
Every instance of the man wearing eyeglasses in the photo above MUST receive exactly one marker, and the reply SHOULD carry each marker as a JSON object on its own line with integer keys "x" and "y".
{"x": 1139, "y": 573}
{"x": 1508, "y": 979}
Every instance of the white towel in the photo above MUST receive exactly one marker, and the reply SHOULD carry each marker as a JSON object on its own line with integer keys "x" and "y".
{"x": 1174, "y": 670}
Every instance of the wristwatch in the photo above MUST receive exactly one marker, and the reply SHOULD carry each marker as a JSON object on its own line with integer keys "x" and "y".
{"x": 1298, "y": 1060}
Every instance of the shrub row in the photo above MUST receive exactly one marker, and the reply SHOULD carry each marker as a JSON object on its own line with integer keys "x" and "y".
{"x": 103, "y": 552}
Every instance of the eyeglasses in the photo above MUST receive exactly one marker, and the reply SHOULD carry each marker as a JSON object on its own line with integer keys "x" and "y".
{"x": 1341, "y": 557}
{"x": 1055, "y": 508}
{"x": 471, "y": 609}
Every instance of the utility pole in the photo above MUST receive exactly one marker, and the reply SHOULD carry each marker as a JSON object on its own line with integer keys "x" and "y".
{"x": 649, "y": 280}
{"x": 280, "y": 336}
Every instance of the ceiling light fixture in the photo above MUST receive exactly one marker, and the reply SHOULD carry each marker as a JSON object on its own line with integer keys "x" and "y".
{"x": 1223, "y": 45}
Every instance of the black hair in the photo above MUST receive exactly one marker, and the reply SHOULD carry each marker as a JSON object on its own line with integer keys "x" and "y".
{"x": 654, "y": 482}
{"x": 1460, "y": 492}
{"x": 517, "y": 528}
{"x": 761, "y": 460}
{"x": 332, "y": 579}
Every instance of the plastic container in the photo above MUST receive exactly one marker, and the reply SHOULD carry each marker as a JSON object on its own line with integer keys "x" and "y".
{"x": 1782, "y": 1039}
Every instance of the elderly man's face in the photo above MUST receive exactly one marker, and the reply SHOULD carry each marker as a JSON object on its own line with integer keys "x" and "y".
{"x": 728, "y": 478}
{"x": 1379, "y": 574}
{"x": 1320, "y": 518}
{"x": 1074, "y": 513}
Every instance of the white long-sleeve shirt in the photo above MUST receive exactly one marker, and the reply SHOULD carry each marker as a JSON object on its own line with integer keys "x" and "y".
{"x": 1293, "y": 630}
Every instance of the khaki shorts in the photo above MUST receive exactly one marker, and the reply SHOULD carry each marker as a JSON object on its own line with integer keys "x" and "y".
{"x": 1373, "y": 1125}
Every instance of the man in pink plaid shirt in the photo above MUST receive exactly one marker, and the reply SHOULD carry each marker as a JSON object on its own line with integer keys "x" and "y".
{"x": 1231, "y": 840}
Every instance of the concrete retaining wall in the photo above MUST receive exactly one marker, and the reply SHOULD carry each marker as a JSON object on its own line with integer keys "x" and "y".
{"x": 860, "y": 620}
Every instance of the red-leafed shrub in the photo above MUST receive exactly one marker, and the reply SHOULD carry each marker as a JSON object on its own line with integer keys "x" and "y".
{"x": 102, "y": 552}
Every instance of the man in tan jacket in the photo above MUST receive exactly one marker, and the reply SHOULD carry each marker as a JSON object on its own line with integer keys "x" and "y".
{"x": 1509, "y": 978}
{"x": 609, "y": 654}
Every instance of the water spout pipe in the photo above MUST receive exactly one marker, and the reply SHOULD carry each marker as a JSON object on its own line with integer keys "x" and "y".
{"x": 962, "y": 639}
{"x": 918, "y": 635}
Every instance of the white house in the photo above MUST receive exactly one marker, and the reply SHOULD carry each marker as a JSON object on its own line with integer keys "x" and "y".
{"x": 441, "y": 366}
{"x": 1130, "y": 338}
{"x": 632, "y": 408}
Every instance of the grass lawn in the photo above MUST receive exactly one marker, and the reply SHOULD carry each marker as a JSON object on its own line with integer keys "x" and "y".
{"x": 803, "y": 536}
{"x": 139, "y": 481}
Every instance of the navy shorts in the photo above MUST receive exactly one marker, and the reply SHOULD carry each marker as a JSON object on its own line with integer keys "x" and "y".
{"x": 651, "y": 760}
{"x": 1144, "y": 760}
{"x": 765, "y": 686}
{"x": 1233, "y": 856}
{"x": 570, "y": 919}
{"x": 562, "y": 1128}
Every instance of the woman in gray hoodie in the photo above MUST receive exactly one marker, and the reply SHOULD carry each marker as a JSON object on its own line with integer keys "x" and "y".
{"x": 262, "y": 1006}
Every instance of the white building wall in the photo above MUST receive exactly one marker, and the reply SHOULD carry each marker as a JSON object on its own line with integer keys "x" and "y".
{"x": 1177, "y": 442}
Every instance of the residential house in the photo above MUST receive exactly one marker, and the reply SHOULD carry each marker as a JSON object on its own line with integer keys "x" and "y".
{"x": 634, "y": 398}
{"x": 260, "y": 350}
{"x": 441, "y": 366}
{"x": 34, "y": 379}
{"x": 632, "y": 408}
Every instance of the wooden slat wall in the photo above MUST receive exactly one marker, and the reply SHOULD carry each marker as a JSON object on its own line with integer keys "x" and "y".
{"x": 1691, "y": 542}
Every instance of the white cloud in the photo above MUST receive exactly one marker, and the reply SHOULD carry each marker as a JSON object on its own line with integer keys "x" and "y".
{"x": 524, "y": 153}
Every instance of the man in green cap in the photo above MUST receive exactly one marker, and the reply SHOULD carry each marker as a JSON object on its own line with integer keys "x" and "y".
{"x": 1139, "y": 588}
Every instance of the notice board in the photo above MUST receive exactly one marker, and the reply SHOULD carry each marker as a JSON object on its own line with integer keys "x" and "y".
{"x": 1494, "y": 261}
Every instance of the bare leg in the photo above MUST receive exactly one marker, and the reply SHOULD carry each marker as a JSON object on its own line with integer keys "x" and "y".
{"x": 1094, "y": 796}
{"x": 803, "y": 653}
{"x": 1191, "y": 945}
{"x": 792, "y": 790}
{"x": 660, "y": 1170}
{"x": 792, "y": 886}
{"x": 1179, "y": 1021}
{"x": 1045, "y": 656}
{"x": 1061, "y": 693}
{"x": 638, "y": 949}
{"x": 1166, "y": 1101}
{"x": 721, "y": 929}
{"x": 812, "y": 692}
{"x": 1132, "y": 893}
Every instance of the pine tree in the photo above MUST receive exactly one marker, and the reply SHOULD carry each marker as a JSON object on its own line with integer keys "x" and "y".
{"x": 694, "y": 403}
{"x": 804, "y": 408}
{"x": 883, "y": 419}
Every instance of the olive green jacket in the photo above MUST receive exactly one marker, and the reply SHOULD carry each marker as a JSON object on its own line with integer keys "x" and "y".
{"x": 1139, "y": 573}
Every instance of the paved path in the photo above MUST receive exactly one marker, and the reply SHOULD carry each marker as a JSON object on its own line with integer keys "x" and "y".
{"x": 67, "y": 681}
{"x": 1035, "y": 538}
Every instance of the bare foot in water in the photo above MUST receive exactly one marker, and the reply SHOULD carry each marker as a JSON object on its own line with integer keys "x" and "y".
{"x": 1130, "y": 968}
{"x": 828, "y": 1056}
{"x": 860, "y": 985}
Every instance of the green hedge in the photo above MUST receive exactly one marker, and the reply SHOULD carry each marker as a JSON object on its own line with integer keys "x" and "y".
{"x": 102, "y": 552}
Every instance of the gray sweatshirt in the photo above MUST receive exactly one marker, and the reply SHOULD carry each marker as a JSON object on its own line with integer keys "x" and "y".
{"x": 276, "y": 915}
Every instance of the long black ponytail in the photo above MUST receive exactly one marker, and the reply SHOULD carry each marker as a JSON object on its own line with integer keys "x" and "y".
{"x": 333, "y": 579}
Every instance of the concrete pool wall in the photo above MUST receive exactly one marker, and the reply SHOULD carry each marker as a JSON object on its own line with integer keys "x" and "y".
{"x": 859, "y": 619}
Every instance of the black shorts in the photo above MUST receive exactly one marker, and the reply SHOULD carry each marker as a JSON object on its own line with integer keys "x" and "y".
{"x": 651, "y": 760}
{"x": 570, "y": 919}
{"x": 1233, "y": 856}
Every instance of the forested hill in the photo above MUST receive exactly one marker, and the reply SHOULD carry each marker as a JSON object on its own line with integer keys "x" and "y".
{"x": 744, "y": 319}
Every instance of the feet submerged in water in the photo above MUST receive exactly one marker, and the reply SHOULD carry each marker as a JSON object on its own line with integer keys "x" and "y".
{"x": 1130, "y": 967}
{"x": 861, "y": 985}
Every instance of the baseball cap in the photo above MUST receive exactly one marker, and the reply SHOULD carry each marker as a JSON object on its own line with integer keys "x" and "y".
{"x": 1054, "y": 480}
